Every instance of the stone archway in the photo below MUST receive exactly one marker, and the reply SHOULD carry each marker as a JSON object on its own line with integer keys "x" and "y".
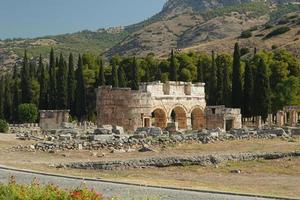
{"x": 159, "y": 118}
{"x": 197, "y": 119}
{"x": 178, "y": 114}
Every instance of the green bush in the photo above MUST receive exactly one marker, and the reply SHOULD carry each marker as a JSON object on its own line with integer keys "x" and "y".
{"x": 278, "y": 31}
{"x": 34, "y": 191}
{"x": 3, "y": 126}
{"x": 246, "y": 34}
{"x": 28, "y": 113}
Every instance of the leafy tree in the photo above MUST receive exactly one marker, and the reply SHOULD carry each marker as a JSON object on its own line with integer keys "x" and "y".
{"x": 247, "y": 110}
{"x": 26, "y": 89}
{"x": 52, "y": 81}
{"x": 62, "y": 95}
{"x": 212, "y": 83}
{"x": 135, "y": 75}
{"x": 28, "y": 113}
{"x": 121, "y": 77}
{"x": 237, "y": 92}
{"x": 185, "y": 75}
{"x": 101, "y": 78}
{"x": 147, "y": 76}
{"x": 173, "y": 68}
{"x": 262, "y": 91}
{"x": 80, "y": 92}
{"x": 43, "y": 100}
{"x": 71, "y": 85}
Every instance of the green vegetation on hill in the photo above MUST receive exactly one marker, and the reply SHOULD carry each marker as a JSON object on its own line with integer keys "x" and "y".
{"x": 283, "y": 10}
{"x": 252, "y": 9}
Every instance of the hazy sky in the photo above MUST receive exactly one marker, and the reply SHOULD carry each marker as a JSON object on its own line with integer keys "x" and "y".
{"x": 31, "y": 18}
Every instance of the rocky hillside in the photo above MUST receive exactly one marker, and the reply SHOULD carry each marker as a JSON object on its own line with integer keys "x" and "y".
{"x": 199, "y": 25}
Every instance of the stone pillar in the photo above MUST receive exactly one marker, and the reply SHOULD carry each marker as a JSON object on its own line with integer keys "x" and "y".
{"x": 189, "y": 123}
{"x": 280, "y": 118}
{"x": 258, "y": 122}
{"x": 270, "y": 119}
{"x": 293, "y": 118}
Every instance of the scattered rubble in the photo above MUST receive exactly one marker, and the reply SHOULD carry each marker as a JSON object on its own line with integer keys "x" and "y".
{"x": 112, "y": 138}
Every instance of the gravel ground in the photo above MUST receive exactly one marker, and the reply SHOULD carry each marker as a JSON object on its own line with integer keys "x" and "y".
{"x": 126, "y": 192}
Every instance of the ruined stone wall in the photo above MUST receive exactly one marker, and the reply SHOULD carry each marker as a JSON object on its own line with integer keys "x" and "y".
{"x": 52, "y": 119}
{"x": 122, "y": 107}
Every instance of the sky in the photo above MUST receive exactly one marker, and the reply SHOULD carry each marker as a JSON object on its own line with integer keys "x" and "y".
{"x": 33, "y": 18}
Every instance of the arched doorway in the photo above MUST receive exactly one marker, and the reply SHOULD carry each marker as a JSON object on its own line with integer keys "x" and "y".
{"x": 197, "y": 118}
{"x": 159, "y": 118}
{"x": 178, "y": 114}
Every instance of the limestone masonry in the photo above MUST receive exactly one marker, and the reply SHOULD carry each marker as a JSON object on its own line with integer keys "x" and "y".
{"x": 159, "y": 104}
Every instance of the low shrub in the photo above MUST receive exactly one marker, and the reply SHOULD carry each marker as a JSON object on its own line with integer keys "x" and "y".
{"x": 278, "y": 31}
{"x": 246, "y": 34}
{"x": 28, "y": 113}
{"x": 3, "y": 126}
{"x": 35, "y": 191}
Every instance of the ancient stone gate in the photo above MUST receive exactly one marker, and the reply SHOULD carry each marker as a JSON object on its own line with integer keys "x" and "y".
{"x": 154, "y": 104}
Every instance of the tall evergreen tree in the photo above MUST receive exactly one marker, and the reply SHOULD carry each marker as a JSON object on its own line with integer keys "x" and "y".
{"x": 62, "y": 95}
{"x": 7, "y": 104}
{"x": 80, "y": 92}
{"x": 237, "y": 91}
{"x": 262, "y": 92}
{"x": 135, "y": 76}
{"x": 114, "y": 75}
{"x": 26, "y": 82}
{"x": 212, "y": 84}
{"x": 173, "y": 76}
{"x": 32, "y": 69}
{"x": 247, "y": 110}
{"x": 71, "y": 84}
{"x": 158, "y": 74}
{"x": 15, "y": 95}
{"x": 121, "y": 77}
{"x": 1, "y": 98}
{"x": 147, "y": 74}
{"x": 52, "y": 81}
{"x": 43, "y": 100}
{"x": 220, "y": 81}
{"x": 101, "y": 78}
{"x": 200, "y": 71}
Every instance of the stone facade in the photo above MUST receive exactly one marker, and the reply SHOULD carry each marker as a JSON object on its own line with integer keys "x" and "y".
{"x": 52, "y": 119}
{"x": 221, "y": 117}
{"x": 154, "y": 104}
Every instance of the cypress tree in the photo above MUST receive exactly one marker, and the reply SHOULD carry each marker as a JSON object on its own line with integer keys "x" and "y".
{"x": 135, "y": 75}
{"x": 1, "y": 98}
{"x": 43, "y": 100}
{"x": 121, "y": 77}
{"x": 226, "y": 84}
{"x": 62, "y": 84}
{"x": 7, "y": 103}
{"x": 32, "y": 69}
{"x": 80, "y": 92}
{"x": 200, "y": 72}
{"x": 237, "y": 91}
{"x": 15, "y": 95}
{"x": 71, "y": 84}
{"x": 101, "y": 78}
{"x": 173, "y": 68}
{"x": 220, "y": 81}
{"x": 212, "y": 84}
{"x": 262, "y": 91}
{"x": 158, "y": 74}
{"x": 247, "y": 110}
{"x": 52, "y": 81}
{"x": 26, "y": 82}
{"x": 147, "y": 74}
{"x": 114, "y": 75}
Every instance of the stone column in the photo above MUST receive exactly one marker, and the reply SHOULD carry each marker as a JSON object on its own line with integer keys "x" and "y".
{"x": 189, "y": 123}
{"x": 258, "y": 122}
{"x": 270, "y": 119}
{"x": 293, "y": 118}
{"x": 280, "y": 118}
